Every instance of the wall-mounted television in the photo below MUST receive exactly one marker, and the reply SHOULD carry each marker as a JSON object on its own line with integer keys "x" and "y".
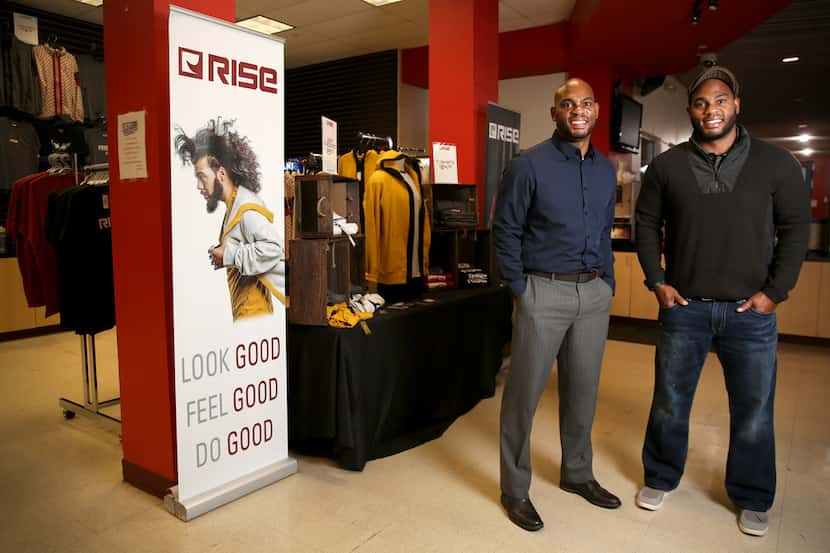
{"x": 626, "y": 118}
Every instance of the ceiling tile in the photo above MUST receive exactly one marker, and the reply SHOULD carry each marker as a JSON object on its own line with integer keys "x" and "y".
{"x": 309, "y": 12}
{"x": 361, "y": 23}
{"x": 301, "y": 37}
{"x": 250, "y": 8}
{"x": 69, "y": 8}
{"x": 95, "y": 15}
{"x": 388, "y": 39}
{"x": 315, "y": 53}
{"x": 411, "y": 10}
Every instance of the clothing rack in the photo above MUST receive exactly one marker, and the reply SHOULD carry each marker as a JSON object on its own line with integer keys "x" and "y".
{"x": 97, "y": 174}
{"x": 368, "y": 139}
{"x": 92, "y": 406}
{"x": 309, "y": 165}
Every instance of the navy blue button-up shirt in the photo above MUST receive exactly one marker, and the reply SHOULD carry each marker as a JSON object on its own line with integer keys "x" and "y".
{"x": 555, "y": 213}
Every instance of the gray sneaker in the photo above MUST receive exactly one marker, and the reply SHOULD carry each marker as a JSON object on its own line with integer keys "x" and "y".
{"x": 650, "y": 499}
{"x": 754, "y": 523}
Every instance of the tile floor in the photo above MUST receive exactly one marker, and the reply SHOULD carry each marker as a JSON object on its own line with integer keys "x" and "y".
{"x": 61, "y": 488}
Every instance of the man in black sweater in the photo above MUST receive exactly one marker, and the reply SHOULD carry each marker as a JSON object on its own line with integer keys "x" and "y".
{"x": 736, "y": 216}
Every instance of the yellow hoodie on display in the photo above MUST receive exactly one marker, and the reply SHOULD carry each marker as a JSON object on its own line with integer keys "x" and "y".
{"x": 392, "y": 234}
{"x": 354, "y": 162}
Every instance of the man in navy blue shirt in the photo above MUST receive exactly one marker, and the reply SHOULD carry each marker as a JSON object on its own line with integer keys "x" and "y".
{"x": 553, "y": 244}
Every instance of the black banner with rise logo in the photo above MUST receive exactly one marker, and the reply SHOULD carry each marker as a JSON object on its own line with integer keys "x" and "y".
{"x": 502, "y": 146}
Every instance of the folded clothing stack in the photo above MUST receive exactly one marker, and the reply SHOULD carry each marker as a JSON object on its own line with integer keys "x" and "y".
{"x": 454, "y": 214}
{"x": 366, "y": 303}
{"x": 440, "y": 279}
{"x": 471, "y": 277}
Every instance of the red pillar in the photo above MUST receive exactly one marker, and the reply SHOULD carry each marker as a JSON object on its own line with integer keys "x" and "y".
{"x": 136, "y": 43}
{"x": 463, "y": 77}
{"x": 601, "y": 79}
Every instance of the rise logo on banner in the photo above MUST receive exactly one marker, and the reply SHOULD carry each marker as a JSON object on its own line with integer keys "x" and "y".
{"x": 503, "y": 133}
{"x": 226, "y": 71}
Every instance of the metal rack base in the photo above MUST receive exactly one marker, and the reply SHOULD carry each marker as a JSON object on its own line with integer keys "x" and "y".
{"x": 91, "y": 407}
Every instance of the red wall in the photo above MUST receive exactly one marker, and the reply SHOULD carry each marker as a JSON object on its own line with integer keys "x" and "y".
{"x": 463, "y": 70}
{"x": 519, "y": 55}
{"x": 821, "y": 188}
{"x": 136, "y": 43}
{"x": 601, "y": 78}
{"x": 649, "y": 37}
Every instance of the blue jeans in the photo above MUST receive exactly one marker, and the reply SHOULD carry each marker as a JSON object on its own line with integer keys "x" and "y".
{"x": 746, "y": 346}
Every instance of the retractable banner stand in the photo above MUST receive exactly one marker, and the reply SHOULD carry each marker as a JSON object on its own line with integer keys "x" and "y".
{"x": 227, "y": 131}
{"x": 502, "y": 146}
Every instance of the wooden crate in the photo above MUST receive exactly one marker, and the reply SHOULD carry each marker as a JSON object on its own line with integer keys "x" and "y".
{"x": 475, "y": 248}
{"x": 462, "y": 198}
{"x": 317, "y": 197}
{"x": 318, "y": 270}
{"x": 443, "y": 252}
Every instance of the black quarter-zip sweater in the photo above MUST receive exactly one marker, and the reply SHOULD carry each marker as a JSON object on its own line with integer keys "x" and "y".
{"x": 733, "y": 227}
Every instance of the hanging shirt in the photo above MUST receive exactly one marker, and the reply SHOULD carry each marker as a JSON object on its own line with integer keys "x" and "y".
{"x": 60, "y": 84}
{"x": 395, "y": 222}
{"x": 78, "y": 226}
{"x": 92, "y": 79}
{"x": 359, "y": 166}
{"x": 21, "y": 89}
{"x": 97, "y": 142}
{"x": 61, "y": 135}
{"x": 19, "y": 147}
{"x": 27, "y": 223}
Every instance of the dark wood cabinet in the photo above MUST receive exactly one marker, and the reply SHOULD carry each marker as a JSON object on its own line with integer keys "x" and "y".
{"x": 455, "y": 206}
{"x": 451, "y": 247}
{"x": 317, "y": 198}
{"x": 322, "y": 272}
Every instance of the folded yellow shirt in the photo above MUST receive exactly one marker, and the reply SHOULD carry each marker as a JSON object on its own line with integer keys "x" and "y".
{"x": 341, "y": 316}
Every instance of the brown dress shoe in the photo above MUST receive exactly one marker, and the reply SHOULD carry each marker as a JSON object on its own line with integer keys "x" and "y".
{"x": 522, "y": 513}
{"x": 593, "y": 493}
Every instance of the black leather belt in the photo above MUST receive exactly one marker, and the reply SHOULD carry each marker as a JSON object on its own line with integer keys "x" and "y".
{"x": 569, "y": 277}
{"x": 698, "y": 298}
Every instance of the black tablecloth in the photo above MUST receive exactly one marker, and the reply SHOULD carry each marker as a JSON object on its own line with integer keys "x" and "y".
{"x": 355, "y": 397}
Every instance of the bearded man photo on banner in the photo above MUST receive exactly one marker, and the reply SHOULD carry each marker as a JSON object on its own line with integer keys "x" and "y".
{"x": 249, "y": 247}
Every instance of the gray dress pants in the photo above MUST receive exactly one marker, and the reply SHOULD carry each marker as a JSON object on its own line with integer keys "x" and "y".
{"x": 553, "y": 319}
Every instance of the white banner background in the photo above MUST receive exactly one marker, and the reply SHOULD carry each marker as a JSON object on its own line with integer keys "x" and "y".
{"x": 202, "y": 318}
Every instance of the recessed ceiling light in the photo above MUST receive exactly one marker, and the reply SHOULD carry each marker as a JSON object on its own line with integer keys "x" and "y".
{"x": 379, "y": 3}
{"x": 791, "y": 59}
{"x": 804, "y": 137}
{"x": 807, "y": 151}
{"x": 264, "y": 25}
{"x": 95, "y": 3}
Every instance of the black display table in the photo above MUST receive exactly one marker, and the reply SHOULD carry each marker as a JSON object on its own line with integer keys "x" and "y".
{"x": 355, "y": 397}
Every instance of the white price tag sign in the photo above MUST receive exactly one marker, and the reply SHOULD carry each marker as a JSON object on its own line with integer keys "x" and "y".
{"x": 25, "y": 28}
{"x": 445, "y": 163}
{"x": 329, "y": 145}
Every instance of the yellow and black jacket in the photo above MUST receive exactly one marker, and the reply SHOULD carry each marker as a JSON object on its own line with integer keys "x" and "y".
{"x": 353, "y": 163}
{"x": 388, "y": 205}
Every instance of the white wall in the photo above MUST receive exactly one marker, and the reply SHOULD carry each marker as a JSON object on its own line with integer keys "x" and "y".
{"x": 664, "y": 110}
{"x": 532, "y": 97}
{"x": 413, "y": 117}
{"x": 664, "y": 113}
